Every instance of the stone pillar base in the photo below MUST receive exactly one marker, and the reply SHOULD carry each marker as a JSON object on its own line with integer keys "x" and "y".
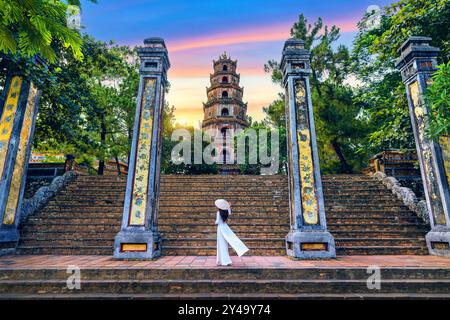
{"x": 438, "y": 242}
{"x": 137, "y": 244}
{"x": 9, "y": 238}
{"x": 310, "y": 245}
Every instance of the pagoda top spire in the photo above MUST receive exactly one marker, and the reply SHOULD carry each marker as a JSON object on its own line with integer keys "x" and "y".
{"x": 224, "y": 58}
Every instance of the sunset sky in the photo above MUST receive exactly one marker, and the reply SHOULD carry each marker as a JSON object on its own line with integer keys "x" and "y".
{"x": 196, "y": 32}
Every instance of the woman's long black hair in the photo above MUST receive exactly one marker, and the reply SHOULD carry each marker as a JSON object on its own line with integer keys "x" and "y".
{"x": 224, "y": 214}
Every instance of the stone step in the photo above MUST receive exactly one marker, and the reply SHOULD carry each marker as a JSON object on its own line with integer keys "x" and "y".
{"x": 280, "y": 242}
{"x": 283, "y": 232}
{"x": 59, "y": 242}
{"x": 364, "y": 216}
{"x": 87, "y": 234}
{"x": 47, "y": 234}
{"x": 241, "y": 176}
{"x": 265, "y": 202}
{"x": 353, "y": 235}
{"x": 283, "y": 218}
{"x": 377, "y": 234}
{"x": 202, "y": 186}
{"x": 170, "y": 197}
{"x": 163, "y": 220}
{"x": 238, "y": 224}
{"x": 290, "y": 286}
{"x": 79, "y": 214}
{"x": 211, "y": 251}
{"x": 349, "y": 198}
{"x": 363, "y": 250}
{"x": 241, "y": 224}
{"x": 374, "y": 220}
{"x": 383, "y": 250}
{"x": 381, "y": 227}
{"x": 213, "y": 282}
{"x": 115, "y": 212}
{"x": 193, "y": 273}
{"x": 332, "y": 188}
{"x": 188, "y": 242}
{"x": 285, "y": 207}
{"x": 234, "y": 219}
{"x": 216, "y": 180}
{"x": 379, "y": 242}
{"x": 65, "y": 250}
{"x": 251, "y": 205}
{"x": 211, "y": 209}
{"x": 72, "y": 227}
{"x": 193, "y": 212}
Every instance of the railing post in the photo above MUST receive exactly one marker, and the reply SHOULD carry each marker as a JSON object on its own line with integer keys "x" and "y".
{"x": 417, "y": 63}
{"x": 139, "y": 237}
{"x": 17, "y": 119}
{"x": 308, "y": 237}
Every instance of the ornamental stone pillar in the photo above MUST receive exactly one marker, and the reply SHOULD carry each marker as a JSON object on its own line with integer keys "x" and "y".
{"x": 18, "y": 110}
{"x": 308, "y": 237}
{"x": 139, "y": 237}
{"x": 417, "y": 63}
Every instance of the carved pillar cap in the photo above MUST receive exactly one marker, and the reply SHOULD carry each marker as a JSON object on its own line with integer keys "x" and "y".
{"x": 154, "y": 47}
{"x": 415, "y": 47}
{"x": 155, "y": 42}
{"x": 295, "y": 59}
{"x": 154, "y": 57}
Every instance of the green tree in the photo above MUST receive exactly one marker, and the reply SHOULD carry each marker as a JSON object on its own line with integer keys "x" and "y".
{"x": 340, "y": 129}
{"x": 382, "y": 94}
{"x": 88, "y": 106}
{"x": 29, "y": 27}
{"x": 438, "y": 98}
{"x": 255, "y": 168}
{"x": 167, "y": 165}
{"x": 338, "y": 125}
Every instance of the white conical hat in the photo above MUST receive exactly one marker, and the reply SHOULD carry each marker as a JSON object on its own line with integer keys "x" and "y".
{"x": 222, "y": 204}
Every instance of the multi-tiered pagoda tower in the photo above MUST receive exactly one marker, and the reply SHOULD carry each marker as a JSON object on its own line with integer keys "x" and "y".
{"x": 224, "y": 113}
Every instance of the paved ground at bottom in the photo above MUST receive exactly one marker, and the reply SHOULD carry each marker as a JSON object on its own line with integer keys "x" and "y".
{"x": 209, "y": 262}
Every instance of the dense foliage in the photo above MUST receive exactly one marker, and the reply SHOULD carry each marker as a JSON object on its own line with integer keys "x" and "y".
{"x": 382, "y": 93}
{"x": 338, "y": 127}
{"x": 188, "y": 166}
{"x": 438, "y": 98}
{"x": 87, "y": 106}
{"x": 29, "y": 27}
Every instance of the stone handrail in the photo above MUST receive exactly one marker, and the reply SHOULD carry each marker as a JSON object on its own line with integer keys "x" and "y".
{"x": 44, "y": 194}
{"x": 405, "y": 194}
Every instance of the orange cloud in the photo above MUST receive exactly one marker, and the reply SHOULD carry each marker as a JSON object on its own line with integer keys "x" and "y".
{"x": 186, "y": 72}
{"x": 263, "y": 34}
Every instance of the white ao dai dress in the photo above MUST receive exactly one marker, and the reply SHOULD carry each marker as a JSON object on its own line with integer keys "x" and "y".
{"x": 225, "y": 237}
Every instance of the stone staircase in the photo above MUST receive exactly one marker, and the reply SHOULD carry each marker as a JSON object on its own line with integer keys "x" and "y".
{"x": 364, "y": 217}
{"x": 341, "y": 282}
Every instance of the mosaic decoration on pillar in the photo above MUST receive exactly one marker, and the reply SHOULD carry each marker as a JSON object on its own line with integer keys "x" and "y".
{"x": 21, "y": 158}
{"x": 140, "y": 181}
{"x": 7, "y": 119}
{"x": 306, "y": 165}
{"x": 444, "y": 142}
{"x": 156, "y": 182}
{"x": 433, "y": 189}
{"x": 308, "y": 237}
{"x": 291, "y": 169}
